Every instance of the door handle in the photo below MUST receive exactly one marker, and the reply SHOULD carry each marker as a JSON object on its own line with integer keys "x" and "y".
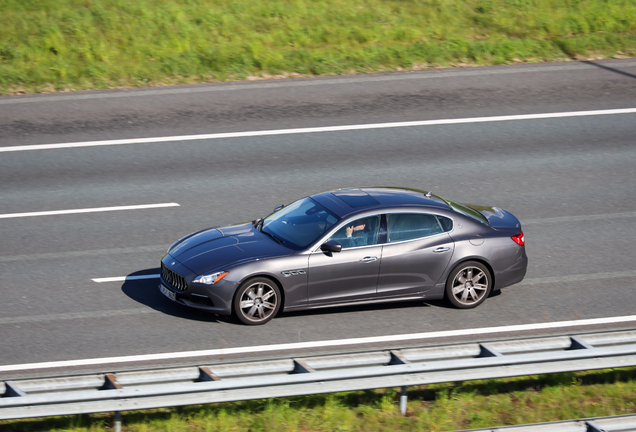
{"x": 441, "y": 249}
{"x": 368, "y": 259}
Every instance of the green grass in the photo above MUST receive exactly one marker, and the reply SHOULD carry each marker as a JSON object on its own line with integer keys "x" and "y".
{"x": 55, "y": 45}
{"x": 476, "y": 404}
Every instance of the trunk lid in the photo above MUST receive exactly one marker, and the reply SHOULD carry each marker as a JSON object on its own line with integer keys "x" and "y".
{"x": 498, "y": 219}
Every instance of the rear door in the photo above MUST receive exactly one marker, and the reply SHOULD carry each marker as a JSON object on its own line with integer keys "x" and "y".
{"x": 416, "y": 253}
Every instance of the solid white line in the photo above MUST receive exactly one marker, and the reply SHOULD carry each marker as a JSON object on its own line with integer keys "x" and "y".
{"x": 87, "y": 210}
{"x": 316, "y": 129}
{"x": 316, "y": 344}
{"x": 125, "y": 278}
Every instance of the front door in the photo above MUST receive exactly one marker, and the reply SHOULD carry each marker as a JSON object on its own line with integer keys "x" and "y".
{"x": 351, "y": 274}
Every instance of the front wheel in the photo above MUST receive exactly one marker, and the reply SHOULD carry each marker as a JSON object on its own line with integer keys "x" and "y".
{"x": 468, "y": 285}
{"x": 257, "y": 301}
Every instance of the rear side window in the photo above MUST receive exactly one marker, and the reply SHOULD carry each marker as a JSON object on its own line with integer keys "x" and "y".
{"x": 409, "y": 226}
{"x": 446, "y": 223}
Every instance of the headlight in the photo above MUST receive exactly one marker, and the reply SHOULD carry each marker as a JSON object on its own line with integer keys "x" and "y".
{"x": 210, "y": 279}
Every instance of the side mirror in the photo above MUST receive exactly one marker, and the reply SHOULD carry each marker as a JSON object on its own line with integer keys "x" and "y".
{"x": 278, "y": 208}
{"x": 331, "y": 246}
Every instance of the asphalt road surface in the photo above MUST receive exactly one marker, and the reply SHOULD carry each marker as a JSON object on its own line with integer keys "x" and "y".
{"x": 571, "y": 181}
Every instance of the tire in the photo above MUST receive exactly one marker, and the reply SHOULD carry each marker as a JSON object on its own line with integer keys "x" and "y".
{"x": 257, "y": 301}
{"x": 468, "y": 285}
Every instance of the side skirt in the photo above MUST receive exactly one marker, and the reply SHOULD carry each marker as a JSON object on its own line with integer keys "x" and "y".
{"x": 361, "y": 302}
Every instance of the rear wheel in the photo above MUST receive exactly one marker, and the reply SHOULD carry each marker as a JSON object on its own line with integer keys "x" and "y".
{"x": 257, "y": 301}
{"x": 468, "y": 285}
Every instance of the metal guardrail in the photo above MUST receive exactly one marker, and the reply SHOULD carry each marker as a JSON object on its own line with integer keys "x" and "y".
{"x": 626, "y": 423}
{"x": 148, "y": 389}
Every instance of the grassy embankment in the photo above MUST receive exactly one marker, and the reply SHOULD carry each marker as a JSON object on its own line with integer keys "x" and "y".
{"x": 56, "y": 45}
{"x": 476, "y": 404}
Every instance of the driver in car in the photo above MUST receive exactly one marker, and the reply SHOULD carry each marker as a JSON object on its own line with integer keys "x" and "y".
{"x": 353, "y": 234}
{"x": 356, "y": 240}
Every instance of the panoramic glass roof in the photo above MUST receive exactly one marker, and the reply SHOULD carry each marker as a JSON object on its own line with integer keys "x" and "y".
{"x": 356, "y": 198}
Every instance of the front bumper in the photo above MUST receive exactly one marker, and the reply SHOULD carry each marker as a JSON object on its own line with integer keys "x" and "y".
{"x": 176, "y": 284}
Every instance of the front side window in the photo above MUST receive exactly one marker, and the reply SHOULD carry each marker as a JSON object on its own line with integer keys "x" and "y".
{"x": 409, "y": 226}
{"x": 360, "y": 232}
{"x": 299, "y": 224}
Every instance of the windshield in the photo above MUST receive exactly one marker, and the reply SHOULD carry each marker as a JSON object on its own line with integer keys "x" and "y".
{"x": 299, "y": 224}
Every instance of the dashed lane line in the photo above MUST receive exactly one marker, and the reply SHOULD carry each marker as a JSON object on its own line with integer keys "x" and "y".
{"x": 87, "y": 210}
{"x": 125, "y": 278}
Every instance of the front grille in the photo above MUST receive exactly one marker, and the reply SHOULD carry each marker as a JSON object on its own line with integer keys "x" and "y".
{"x": 173, "y": 279}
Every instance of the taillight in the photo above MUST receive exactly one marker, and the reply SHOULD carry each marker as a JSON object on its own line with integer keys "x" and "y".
{"x": 519, "y": 239}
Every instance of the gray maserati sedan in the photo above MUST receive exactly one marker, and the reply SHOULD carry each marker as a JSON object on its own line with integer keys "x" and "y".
{"x": 345, "y": 247}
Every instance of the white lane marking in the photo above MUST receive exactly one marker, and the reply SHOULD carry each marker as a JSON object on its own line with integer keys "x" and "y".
{"x": 125, "y": 278}
{"x": 316, "y": 129}
{"x": 87, "y": 210}
{"x": 316, "y": 344}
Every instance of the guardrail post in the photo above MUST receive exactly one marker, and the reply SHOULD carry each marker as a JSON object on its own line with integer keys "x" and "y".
{"x": 593, "y": 427}
{"x": 403, "y": 399}
{"x": 12, "y": 390}
{"x": 579, "y": 344}
{"x": 300, "y": 366}
{"x": 117, "y": 425}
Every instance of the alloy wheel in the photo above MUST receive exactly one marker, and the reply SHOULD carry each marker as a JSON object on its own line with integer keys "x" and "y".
{"x": 470, "y": 285}
{"x": 258, "y": 302}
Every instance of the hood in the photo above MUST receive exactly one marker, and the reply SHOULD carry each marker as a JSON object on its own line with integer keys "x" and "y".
{"x": 498, "y": 218}
{"x": 218, "y": 248}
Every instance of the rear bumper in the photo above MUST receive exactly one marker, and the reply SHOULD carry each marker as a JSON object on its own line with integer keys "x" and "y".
{"x": 515, "y": 270}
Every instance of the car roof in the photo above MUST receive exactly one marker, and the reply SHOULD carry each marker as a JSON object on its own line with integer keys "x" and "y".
{"x": 344, "y": 202}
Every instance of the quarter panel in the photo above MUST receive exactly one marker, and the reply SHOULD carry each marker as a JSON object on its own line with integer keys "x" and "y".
{"x": 507, "y": 259}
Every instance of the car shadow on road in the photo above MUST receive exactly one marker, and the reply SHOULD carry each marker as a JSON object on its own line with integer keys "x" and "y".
{"x": 146, "y": 292}
{"x": 445, "y": 304}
